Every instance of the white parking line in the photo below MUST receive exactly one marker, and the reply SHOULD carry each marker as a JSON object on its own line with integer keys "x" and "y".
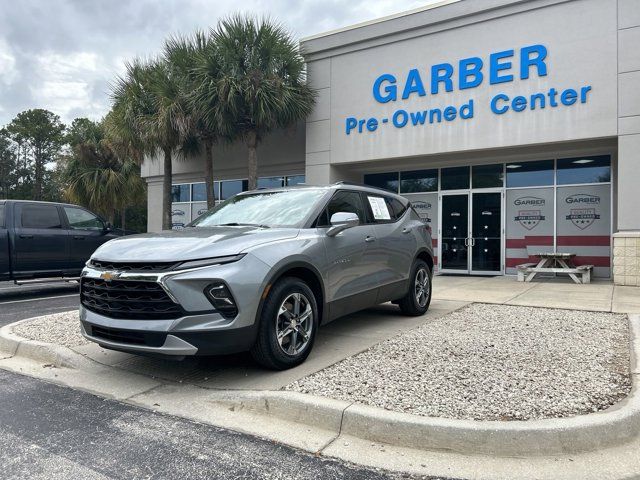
{"x": 38, "y": 299}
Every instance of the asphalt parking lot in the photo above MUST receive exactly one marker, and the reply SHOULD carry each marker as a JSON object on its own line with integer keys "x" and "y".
{"x": 24, "y": 301}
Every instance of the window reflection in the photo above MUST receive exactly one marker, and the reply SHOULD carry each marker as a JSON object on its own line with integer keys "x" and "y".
{"x": 595, "y": 169}
{"x": 387, "y": 181}
{"x": 530, "y": 174}
{"x": 487, "y": 176}
{"x": 454, "y": 178}
{"x": 419, "y": 181}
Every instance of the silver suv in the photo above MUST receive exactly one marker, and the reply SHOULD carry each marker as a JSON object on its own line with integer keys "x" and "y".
{"x": 259, "y": 272}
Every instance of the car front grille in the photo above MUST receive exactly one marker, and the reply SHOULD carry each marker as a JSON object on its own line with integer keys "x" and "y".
{"x": 133, "y": 266}
{"x": 128, "y": 299}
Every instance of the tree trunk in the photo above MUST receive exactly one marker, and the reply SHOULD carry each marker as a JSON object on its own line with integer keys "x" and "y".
{"x": 37, "y": 186}
{"x": 252, "y": 144}
{"x": 166, "y": 191}
{"x": 208, "y": 173}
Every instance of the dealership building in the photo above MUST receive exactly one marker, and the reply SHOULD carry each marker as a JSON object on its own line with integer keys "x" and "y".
{"x": 512, "y": 126}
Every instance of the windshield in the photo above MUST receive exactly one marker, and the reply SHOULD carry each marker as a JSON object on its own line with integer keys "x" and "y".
{"x": 282, "y": 208}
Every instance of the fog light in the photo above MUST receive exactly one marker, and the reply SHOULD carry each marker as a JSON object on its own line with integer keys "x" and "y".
{"x": 221, "y": 299}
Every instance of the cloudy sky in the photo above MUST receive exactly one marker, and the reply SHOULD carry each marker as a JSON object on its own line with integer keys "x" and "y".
{"x": 62, "y": 54}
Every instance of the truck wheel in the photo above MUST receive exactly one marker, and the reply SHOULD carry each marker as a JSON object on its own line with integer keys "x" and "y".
{"x": 418, "y": 297}
{"x": 288, "y": 325}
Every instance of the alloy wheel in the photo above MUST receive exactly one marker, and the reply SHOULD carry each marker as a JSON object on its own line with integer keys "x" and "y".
{"x": 422, "y": 287}
{"x": 294, "y": 324}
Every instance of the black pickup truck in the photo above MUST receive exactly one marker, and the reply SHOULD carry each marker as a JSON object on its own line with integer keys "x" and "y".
{"x": 45, "y": 240}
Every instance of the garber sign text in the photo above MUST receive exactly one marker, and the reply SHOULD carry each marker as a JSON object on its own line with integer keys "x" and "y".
{"x": 468, "y": 73}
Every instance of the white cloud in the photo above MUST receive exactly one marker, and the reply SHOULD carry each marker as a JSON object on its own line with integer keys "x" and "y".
{"x": 8, "y": 72}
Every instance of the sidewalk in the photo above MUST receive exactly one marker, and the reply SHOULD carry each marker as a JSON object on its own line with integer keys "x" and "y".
{"x": 600, "y": 295}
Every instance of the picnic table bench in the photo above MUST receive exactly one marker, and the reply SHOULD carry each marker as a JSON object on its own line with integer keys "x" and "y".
{"x": 555, "y": 263}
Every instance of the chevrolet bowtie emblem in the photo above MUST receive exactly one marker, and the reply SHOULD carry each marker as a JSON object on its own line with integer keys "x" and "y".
{"x": 108, "y": 276}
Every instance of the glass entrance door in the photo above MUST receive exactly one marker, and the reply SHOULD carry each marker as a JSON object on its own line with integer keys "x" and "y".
{"x": 486, "y": 230}
{"x": 454, "y": 239}
{"x": 471, "y": 233}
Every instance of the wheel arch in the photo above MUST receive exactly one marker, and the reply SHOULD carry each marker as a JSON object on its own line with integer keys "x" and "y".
{"x": 305, "y": 272}
{"x": 427, "y": 257}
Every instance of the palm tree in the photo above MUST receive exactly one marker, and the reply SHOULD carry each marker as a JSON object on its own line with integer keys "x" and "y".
{"x": 194, "y": 61}
{"x": 149, "y": 115}
{"x": 94, "y": 175}
{"x": 262, "y": 80}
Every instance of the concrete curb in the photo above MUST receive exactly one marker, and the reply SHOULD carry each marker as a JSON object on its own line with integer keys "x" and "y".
{"x": 615, "y": 426}
{"x": 49, "y": 353}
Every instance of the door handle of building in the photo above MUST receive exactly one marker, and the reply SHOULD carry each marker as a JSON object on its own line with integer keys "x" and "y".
{"x": 370, "y": 239}
{"x": 466, "y": 242}
{"x": 473, "y": 241}
{"x": 26, "y": 236}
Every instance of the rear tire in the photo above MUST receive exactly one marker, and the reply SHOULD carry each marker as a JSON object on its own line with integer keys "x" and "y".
{"x": 288, "y": 325}
{"x": 418, "y": 297}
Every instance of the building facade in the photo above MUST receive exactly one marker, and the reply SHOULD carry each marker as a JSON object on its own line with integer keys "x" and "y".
{"x": 512, "y": 126}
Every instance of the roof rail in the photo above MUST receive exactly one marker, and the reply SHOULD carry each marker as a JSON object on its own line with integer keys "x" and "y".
{"x": 356, "y": 184}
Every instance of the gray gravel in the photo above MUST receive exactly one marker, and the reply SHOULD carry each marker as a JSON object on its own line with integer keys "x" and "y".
{"x": 490, "y": 362}
{"x": 60, "y": 328}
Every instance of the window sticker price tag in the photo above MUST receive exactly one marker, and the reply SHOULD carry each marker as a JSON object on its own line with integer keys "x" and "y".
{"x": 379, "y": 208}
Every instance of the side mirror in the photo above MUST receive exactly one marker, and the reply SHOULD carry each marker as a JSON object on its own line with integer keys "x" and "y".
{"x": 341, "y": 221}
{"x": 107, "y": 227}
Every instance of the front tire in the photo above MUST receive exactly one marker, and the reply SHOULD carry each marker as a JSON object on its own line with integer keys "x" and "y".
{"x": 418, "y": 297}
{"x": 288, "y": 325}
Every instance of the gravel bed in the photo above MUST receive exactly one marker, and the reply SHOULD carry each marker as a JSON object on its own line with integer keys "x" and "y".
{"x": 60, "y": 328}
{"x": 490, "y": 362}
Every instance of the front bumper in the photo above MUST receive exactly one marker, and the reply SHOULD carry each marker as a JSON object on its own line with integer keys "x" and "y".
{"x": 201, "y": 330}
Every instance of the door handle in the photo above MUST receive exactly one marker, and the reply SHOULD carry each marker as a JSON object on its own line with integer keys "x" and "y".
{"x": 78, "y": 237}
{"x": 26, "y": 236}
{"x": 473, "y": 241}
{"x": 406, "y": 230}
{"x": 466, "y": 242}
{"x": 370, "y": 239}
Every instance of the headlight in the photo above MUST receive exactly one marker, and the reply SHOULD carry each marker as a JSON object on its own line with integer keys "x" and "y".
{"x": 220, "y": 297}
{"x": 206, "y": 262}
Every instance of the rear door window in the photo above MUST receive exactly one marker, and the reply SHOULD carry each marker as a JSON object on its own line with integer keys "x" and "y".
{"x": 40, "y": 216}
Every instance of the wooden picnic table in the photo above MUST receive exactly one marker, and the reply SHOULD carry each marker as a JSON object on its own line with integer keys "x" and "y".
{"x": 555, "y": 262}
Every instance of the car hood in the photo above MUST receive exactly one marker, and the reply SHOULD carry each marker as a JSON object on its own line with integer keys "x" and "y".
{"x": 189, "y": 244}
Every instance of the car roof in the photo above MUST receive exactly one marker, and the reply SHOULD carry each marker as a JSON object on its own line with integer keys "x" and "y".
{"x": 335, "y": 186}
{"x": 8, "y": 200}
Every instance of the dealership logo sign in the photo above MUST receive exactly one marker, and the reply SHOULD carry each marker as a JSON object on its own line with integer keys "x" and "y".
{"x": 583, "y": 217}
{"x": 529, "y": 219}
{"x": 429, "y": 89}
{"x": 583, "y": 198}
{"x": 529, "y": 201}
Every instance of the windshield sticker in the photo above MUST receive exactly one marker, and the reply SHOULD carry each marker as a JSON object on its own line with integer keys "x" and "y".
{"x": 379, "y": 208}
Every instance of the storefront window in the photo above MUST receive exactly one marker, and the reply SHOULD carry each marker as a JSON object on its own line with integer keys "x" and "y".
{"x": 530, "y": 174}
{"x": 199, "y": 192}
{"x": 388, "y": 181}
{"x": 295, "y": 180}
{"x": 180, "y": 193}
{"x": 418, "y": 181}
{"x": 270, "y": 182}
{"x": 454, "y": 178}
{"x": 487, "y": 176}
{"x": 584, "y": 170}
{"x": 229, "y": 188}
